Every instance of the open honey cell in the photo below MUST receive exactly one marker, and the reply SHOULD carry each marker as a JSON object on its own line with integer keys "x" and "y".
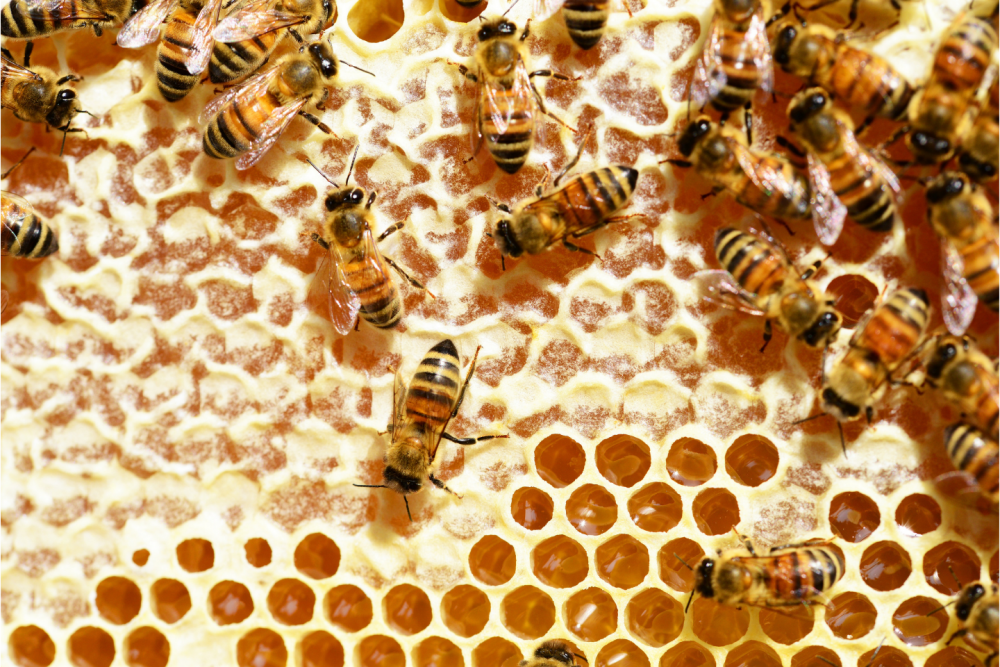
{"x": 691, "y": 462}
{"x": 560, "y": 562}
{"x": 118, "y": 600}
{"x": 953, "y": 656}
{"x": 622, "y": 561}
{"x": 718, "y": 624}
{"x": 348, "y": 608}
{"x": 621, "y": 653}
{"x": 886, "y": 656}
{"x": 918, "y": 514}
{"x": 655, "y": 508}
{"x": 853, "y": 516}
{"x": 920, "y": 621}
{"x": 380, "y": 651}
{"x": 854, "y": 295}
{"x": 527, "y": 612}
{"x": 229, "y": 602}
{"x": 261, "y": 647}
{"x": 30, "y": 646}
{"x": 850, "y": 615}
{"x": 465, "y": 610}
{"x": 317, "y": 556}
{"x": 320, "y": 649}
{"x": 654, "y": 618}
{"x": 146, "y": 647}
{"x": 885, "y": 566}
{"x": 531, "y": 508}
{"x": 677, "y": 560}
{"x": 591, "y": 614}
{"x": 140, "y": 557}
{"x": 816, "y": 656}
{"x": 377, "y": 20}
{"x": 623, "y": 460}
{"x": 437, "y": 651}
{"x": 91, "y": 646}
{"x": 257, "y": 551}
{"x": 752, "y": 460}
{"x": 195, "y": 555}
{"x": 787, "y": 625}
{"x": 752, "y": 654}
{"x": 456, "y": 12}
{"x": 687, "y": 654}
{"x": 169, "y": 599}
{"x": 950, "y": 566}
{"x": 496, "y": 652}
{"x": 716, "y": 511}
{"x": 559, "y": 460}
{"x": 592, "y": 510}
{"x": 291, "y": 602}
{"x": 492, "y": 561}
{"x": 407, "y": 609}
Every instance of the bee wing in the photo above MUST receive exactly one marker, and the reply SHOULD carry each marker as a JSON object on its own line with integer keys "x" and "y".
{"x": 144, "y": 27}
{"x": 502, "y": 105}
{"x": 398, "y": 399}
{"x": 709, "y": 78}
{"x": 203, "y": 37}
{"x": 828, "y": 212}
{"x": 757, "y": 41}
{"x": 66, "y": 10}
{"x": 719, "y": 287}
{"x": 10, "y": 70}
{"x": 764, "y": 179}
{"x": 958, "y": 300}
{"x": 330, "y": 288}
{"x": 250, "y": 89}
{"x": 270, "y": 131}
{"x": 543, "y": 9}
{"x": 255, "y": 19}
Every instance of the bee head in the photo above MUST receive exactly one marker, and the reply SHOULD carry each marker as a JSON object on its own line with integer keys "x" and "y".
{"x": 329, "y": 14}
{"x": 506, "y": 240}
{"x": 322, "y": 54}
{"x": 979, "y": 170}
{"x": 807, "y": 104}
{"x": 64, "y": 108}
{"x": 693, "y": 133}
{"x": 399, "y": 481}
{"x": 928, "y": 147}
{"x": 737, "y": 10}
{"x": 841, "y": 408}
{"x": 500, "y": 27}
{"x": 967, "y": 600}
{"x": 946, "y": 186}
{"x": 555, "y": 650}
{"x": 783, "y": 44}
{"x": 348, "y": 197}
{"x": 823, "y": 330}
{"x": 703, "y": 578}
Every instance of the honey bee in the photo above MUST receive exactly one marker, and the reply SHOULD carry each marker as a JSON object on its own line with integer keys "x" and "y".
{"x": 979, "y": 613}
{"x": 760, "y": 280}
{"x": 586, "y": 20}
{"x": 967, "y": 378}
{"x": 978, "y": 156}
{"x": 30, "y": 19}
{"x": 186, "y": 47}
{"x": 37, "y": 95}
{"x": 846, "y": 178}
{"x": 244, "y": 41}
{"x": 976, "y": 455}
{"x": 419, "y": 420}
{"x": 970, "y": 251}
{"x": 763, "y": 182}
{"x": 553, "y": 653}
{"x": 245, "y": 121}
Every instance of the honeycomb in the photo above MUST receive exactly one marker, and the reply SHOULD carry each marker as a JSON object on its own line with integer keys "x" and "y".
{"x": 181, "y": 432}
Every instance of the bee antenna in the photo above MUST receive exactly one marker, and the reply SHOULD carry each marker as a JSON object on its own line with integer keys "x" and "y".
{"x": 511, "y": 7}
{"x": 371, "y": 486}
{"x": 944, "y": 606}
{"x": 582, "y": 657}
{"x": 843, "y": 444}
{"x": 877, "y": 649}
{"x": 809, "y": 418}
{"x": 678, "y": 557}
{"x": 325, "y": 177}
{"x": 827, "y": 661}
{"x": 86, "y": 112}
{"x": 690, "y": 598}
{"x": 353, "y": 158}
{"x": 954, "y": 576}
{"x": 407, "y": 503}
{"x": 18, "y": 163}
{"x": 62, "y": 146}
{"x": 360, "y": 69}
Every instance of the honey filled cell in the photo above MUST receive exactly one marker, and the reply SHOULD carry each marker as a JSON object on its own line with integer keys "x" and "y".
{"x": 317, "y": 556}
{"x": 195, "y": 555}
{"x": 465, "y": 610}
{"x": 884, "y": 656}
{"x": 655, "y": 508}
{"x": 622, "y": 561}
{"x": 623, "y": 460}
{"x": 376, "y": 21}
{"x": 677, "y": 560}
{"x": 752, "y": 654}
{"x": 321, "y": 649}
{"x": 140, "y": 557}
{"x": 492, "y": 561}
{"x": 407, "y": 609}
{"x": 816, "y": 656}
{"x": 592, "y": 510}
{"x": 918, "y": 514}
{"x": 950, "y": 566}
{"x": 691, "y": 462}
{"x": 787, "y": 625}
{"x": 718, "y": 624}
{"x": 716, "y": 511}
{"x": 169, "y": 599}
{"x": 953, "y": 656}
{"x": 654, "y": 618}
{"x": 885, "y": 566}
{"x": 291, "y": 602}
{"x": 853, "y": 516}
{"x": 920, "y": 621}
{"x": 257, "y": 551}
{"x": 437, "y": 652}
{"x": 261, "y": 647}
{"x": 91, "y": 646}
{"x": 531, "y": 508}
{"x": 687, "y": 654}
{"x": 850, "y": 615}
{"x": 559, "y": 460}
{"x": 854, "y": 295}
{"x": 348, "y": 608}
{"x": 560, "y": 562}
{"x": 118, "y": 600}
{"x": 229, "y": 602}
{"x": 591, "y": 614}
{"x": 30, "y": 646}
{"x": 752, "y": 460}
{"x": 380, "y": 651}
{"x": 527, "y": 612}
{"x": 496, "y": 652}
{"x": 621, "y": 653}
{"x": 146, "y": 647}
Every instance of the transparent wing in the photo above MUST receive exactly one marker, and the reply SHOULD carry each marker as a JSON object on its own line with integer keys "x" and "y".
{"x": 958, "y": 300}
{"x": 3, "y": 300}
{"x": 827, "y": 210}
{"x": 767, "y": 179}
{"x": 399, "y": 399}
{"x": 331, "y": 290}
{"x": 719, "y": 287}
{"x": 250, "y": 89}
{"x": 144, "y": 27}
{"x": 202, "y": 37}
{"x": 255, "y": 19}
{"x": 543, "y": 9}
{"x": 10, "y": 70}
{"x": 270, "y": 132}
{"x": 66, "y": 10}
{"x": 709, "y": 78}
{"x": 501, "y": 104}
{"x": 758, "y": 43}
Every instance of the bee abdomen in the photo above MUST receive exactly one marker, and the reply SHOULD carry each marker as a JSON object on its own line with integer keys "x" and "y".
{"x": 875, "y": 210}
{"x": 753, "y": 263}
{"x": 972, "y": 452}
{"x": 802, "y": 573}
{"x": 434, "y": 389}
{"x": 590, "y": 199}
{"x": 510, "y": 147}
{"x": 743, "y": 77}
{"x": 232, "y": 61}
{"x": 585, "y": 20}
{"x": 964, "y": 56}
{"x": 895, "y": 328}
{"x": 26, "y": 236}
{"x": 981, "y": 261}
{"x": 172, "y": 76}
{"x": 380, "y": 303}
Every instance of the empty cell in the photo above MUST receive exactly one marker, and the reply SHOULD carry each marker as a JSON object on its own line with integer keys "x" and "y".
{"x": 752, "y": 654}
{"x": 91, "y": 647}
{"x": 291, "y": 602}
{"x": 146, "y": 647}
{"x": 885, "y": 566}
{"x": 816, "y": 656}
{"x": 850, "y": 615}
{"x": 229, "y": 602}
{"x": 492, "y": 561}
{"x": 854, "y": 295}
{"x": 140, "y": 557}
{"x": 407, "y": 609}
{"x": 886, "y": 656}
{"x": 380, "y": 651}
{"x": 591, "y": 614}
{"x": 30, "y": 646}
{"x": 655, "y": 508}
{"x": 317, "y": 556}
{"x": 118, "y": 600}
{"x": 918, "y": 514}
{"x": 654, "y": 618}
{"x": 687, "y": 654}
{"x": 261, "y": 647}
{"x": 169, "y": 599}
{"x": 718, "y": 624}
{"x": 559, "y": 460}
{"x": 691, "y": 462}
{"x": 752, "y": 460}
{"x": 348, "y": 608}
{"x": 376, "y": 20}
{"x": 560, "y": 562}
{"x": 953, "y": 656}
{"x": 437, "y": 652}
{"x": 465, "y": 610}
{"x": 321, "y": 649}
{"x": 853, "y": 516}
{"x": 496, "y": 652}
{"x": 621, "y": 653}
{"x": 258, "y": 551}
{"x": 195, "y": 555}
{"x": 788, "y": 624}
{"x": 947, "y": 558}
{"x": 920, "y": 621}
{"x": 592, "y": 510}
{"x": 622, "y": 561}
{"x": 716, "y": 511}
{"x": 623, "y": 460}
{"x": 677, "y": 560}
{"x": 531, "y": 508}
{"x": 527, "y": 612}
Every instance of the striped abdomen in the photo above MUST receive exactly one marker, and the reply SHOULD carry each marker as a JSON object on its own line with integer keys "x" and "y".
{"x": 737, "y": 62}
{"x": 587, "y": 201}
{"x": 791, "y": 202}
{"x": 980, "y": 157}
{"x": 756, "y": 266}
{"x": 238, "y": 59}
{"x": 791, "y": 576}
{"x": 585, "y": 20}
{"x": 380, "y": 303}
{"x": 509, "y": 147}
{"x": 972, "y": 452}
{"x": 981, "y": 268}
{"x": 172, "y": 75}
{"x": 234, "y": 130}
{"x": 19, "y": 21}
{"x": 433, "y": 391}
{"x": 24, "y": 234}
{"x": 964, "y": 55}
{"x": 862, "y": 190}
{"x": 896, "y": 327}
{"x": 865, "y": 81}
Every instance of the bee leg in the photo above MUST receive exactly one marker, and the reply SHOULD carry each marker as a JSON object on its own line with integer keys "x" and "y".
{"x": 554, "y": 75}
{"x": 28, "y": 48}
{"x": 575, "y": 248}
{"x": 479, "y": 146}
{"x": 390, "y": 231}
{"x": 812, "y": 270}
{"x": 407, "y": 277}
{"x": 541, "y": 106}
{"x": 439, "y": 484}
{"x": 959, "y": 633}
{"x": 321, "y": 241}
{"x": 683, "y": 164}
{"x": 711, "y": 193}
{"x": 320, "y": 125}
{"x": 576, "y": 158}
{"x": 464, "y": 71}
{"x": 865, "y": 124}
{"x": 544, "y": 183}
{"x": 527, "y": 26}
{"x": 471, "y": 441}
{"x": 767, "y": 335}
{"x": 748, "y": 123}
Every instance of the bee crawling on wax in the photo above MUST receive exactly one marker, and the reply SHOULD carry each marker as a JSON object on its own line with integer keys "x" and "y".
{"x": 553, "y": 653}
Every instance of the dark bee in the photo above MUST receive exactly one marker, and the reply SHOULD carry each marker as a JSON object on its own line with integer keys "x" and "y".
{"x": 980, "y": 152}
{"x": 979, "y": 613}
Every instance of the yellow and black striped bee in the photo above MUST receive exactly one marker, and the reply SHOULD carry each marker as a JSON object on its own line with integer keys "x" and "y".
{"x": 245, "y": 121}
{"x": 186, "y": 47}
{"x": 979, "y": 613}
{"x": 38, "y": 95}
{"x": 968, "y": 379}
{"x": 846, "y": 178}
{"x": 975, "y": 454}
{"x": 760, "y": 280}
{"x": 553, "y": 653}
{"x": 421, "y": 415}
{"x": 586, "y": 20}
{"x": 979, "y": 156}
{"x": 30, "y": 19}
{"x": 245, "y": 40}
{"x": 961, "y": 214}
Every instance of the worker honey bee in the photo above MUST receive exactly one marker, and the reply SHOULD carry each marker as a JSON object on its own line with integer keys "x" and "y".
{"x": 37, "y": 95}
{"x": 245, "y": 121}
{"x": 977, "y": 456}
{"x": 979, "y": 155}
{"x": 760, "y": 280}
{"x": 978, "y": 610}
{"x": 586, "y": 20}
{"x": 31, "y": 19}
{"x": 967, "y": 378}
{"x": 245, "y": 40}
{"x": 553, "y": 653}
{"x": 420, "y": 419}
{"x": 962, "y": 216}
{"x": 845, "y": 177}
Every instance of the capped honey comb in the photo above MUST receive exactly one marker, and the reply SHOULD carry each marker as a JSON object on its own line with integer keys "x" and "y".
{"x": 181, "y": 431}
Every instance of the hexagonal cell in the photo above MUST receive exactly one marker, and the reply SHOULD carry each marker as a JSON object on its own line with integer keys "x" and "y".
{"x": 559, "y": 460}
{"x": 918, "y": 514}
{"x": 377, "y": 20}
{"x": 321, "y": 649}
{"x": 492, "y": 561}
{"x": 291, "y": 602}
{"x": 850, "y": 615}
{"x": 953, "y": 656}
{"x": 854, "y": 295}
{"x": 752, "y": 654}
{"x": 30, "y": 646}
{"x": 691, "y": 462}
{"x": 621, "y": 653}
{"x": 437, "y": 652}
{"x": 229, "y": 602}
{"x": 961, "y": 560}
{"x": 816, "y": 656}
{"x": 527, "y": 612}
{"x": 317, "y": 556}
{"x": 195, "y": 555}
{"x": 407, "y": 609}
{"x": 118, "y": 600}
{"x": 674, "y": 559}
{"x": 885, "y": 566}
{"x": 752, "y": 460}
{"x": 591, "y": 614}
{"x": 654, "y": 618}
{"x": 258, "y": 552}
{"x": 687, "y": 654}
{"x": 465, "y": 610}
{"x": 91, "y": 646}
{"x": 622, "y": 561}
{"x": 559, "y": 562}
{"x": 788, "y": 624}
{"x": 140, "y": 557}
{"x": 261, "y": 647}
{"x": 718, "y": 624}
{"x": 531, "y": 508}
{"x": 886, "y": 656}
{"x": 348, "y": 608}
{"x": 623, "y": 460}
{"x": 716, "y": 511}
{"x": 592, "y": 510}
{"x": 496, "y": 652}
{"x": 655, "y": 508}
{"x": 169, "y": 600}
{"x": 146, "y": 647}
{"x": 380, "y": 651}
{"x": 920, "y": 621}
{"x": 853, "y": 516}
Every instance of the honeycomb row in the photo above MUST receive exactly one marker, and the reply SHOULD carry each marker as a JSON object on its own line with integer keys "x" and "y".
{"x": 316, "y": 555}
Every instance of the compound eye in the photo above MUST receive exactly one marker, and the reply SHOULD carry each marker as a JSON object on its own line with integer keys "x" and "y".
{"x": 942, "y": 146}
{"x": 356, "y": 196}
{"x": 507, "y": 28}
{"x": 703, "y": 127}
{"x": 920, "y": 139}
{"x": 66, "y": 95}
{"x": 954, "y": 186}
{"x": 988, "y": 170}
{"x": 817, "y": 102}
{"x": 331, "y": 202}
{"x": 484, "y": 34}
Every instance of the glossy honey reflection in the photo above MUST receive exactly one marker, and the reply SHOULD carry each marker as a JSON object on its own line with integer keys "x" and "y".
{"x": 592, "y": 510}
{"x": 885, "y": 566}
{"x": 623, "y": 460}
{"x": 527, "y": 612}
{"x": 947, "y": 558}
{"x": 687, "y": 654}
{"x": 531, "y": 508}
{"x": 920, "y": 621}
{"x": 229, "y": 602}
{"x": 918, "y": 514}
{"x": 560, "y": 562}
{"x": 492, "y": 561}
{"x": 496, "y": 652}
{"x": 671, "y": 559}
{"x": 30, "y": 646}
{"x": 716, "y": 511}
{"x": 559, "y": 460}
{"x": 465, "y": 610}
{"x": 291, "y": 602}
{"x": 118, "y": 600}
{"x": 691, "y": 462}
{"x": 752, "y": 460}
{"x": 853, "y": 516}
{"x": 655, "y": 508}
{"x": 170, "y": 600}
{"x": 195, "y": 555}
{"x": 788, "y": 625}
{"x": 321, "y": 649}
{"x": 317, "y": 556}
{"x": 348, "y": 608}
{"x": 850, "y": 615}
{"x": 146, "y": 647}
{"x": 654, "y": 617}
{"x": 591, "y": 614}
{"x": 622, "y": 561}
{"x": 435, "y": 651}
{"x": 380, "y": 651}
{"x": 91, "y": 646}
{"x": 407, "y": 609}
{"x": 752, "y": 654}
